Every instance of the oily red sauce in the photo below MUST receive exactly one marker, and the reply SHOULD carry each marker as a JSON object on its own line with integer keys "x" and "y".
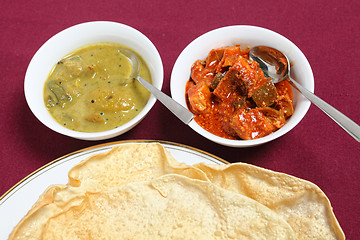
{"x": 240, "y": 104}
{"x": 211, "y": 120}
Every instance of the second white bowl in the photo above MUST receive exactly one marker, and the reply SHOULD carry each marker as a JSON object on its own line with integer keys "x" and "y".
{"x": 246, "y": 36}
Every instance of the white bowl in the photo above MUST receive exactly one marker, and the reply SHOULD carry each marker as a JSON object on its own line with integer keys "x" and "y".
{"x": 69, "y": 40}
{"x": 246, "y": 36}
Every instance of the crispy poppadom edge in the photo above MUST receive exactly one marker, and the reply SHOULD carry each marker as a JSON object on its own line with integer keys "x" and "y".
{"x": 56, "y": 194}
{"x": 244, "y": 178}
{"x": 162, "y": 184}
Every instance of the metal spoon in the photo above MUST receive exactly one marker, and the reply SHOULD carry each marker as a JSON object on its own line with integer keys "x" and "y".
{"x": 177, "y": 109}
{"x": 276, "y": 65}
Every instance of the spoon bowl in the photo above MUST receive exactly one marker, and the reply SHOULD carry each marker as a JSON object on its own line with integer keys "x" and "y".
{"x": 276, "y": 65}
{"x": 134, "y": 61}
{"x": 178, "y": 110}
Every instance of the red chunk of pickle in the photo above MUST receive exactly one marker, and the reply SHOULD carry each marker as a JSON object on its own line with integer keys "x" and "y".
{"x": 256, "y": 123}
{"x": 250, "y": 75}
{"x": 199, "y": 97}
{"x": 265, "y": 95}
{"x": 230, "y": 56}
{"x": 231, "y": 97}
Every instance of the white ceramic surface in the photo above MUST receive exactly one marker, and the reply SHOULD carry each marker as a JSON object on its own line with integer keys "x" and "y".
{"x": 248, "y": 36}
{"x": 69, "y": 40}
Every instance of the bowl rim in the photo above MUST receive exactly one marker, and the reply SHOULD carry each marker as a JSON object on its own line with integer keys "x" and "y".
{"x": 84, "y": 34}
{"x": 216, "y": 37}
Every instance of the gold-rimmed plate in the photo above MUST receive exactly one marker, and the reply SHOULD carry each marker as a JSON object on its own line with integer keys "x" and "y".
{"x": 16, "y": 202}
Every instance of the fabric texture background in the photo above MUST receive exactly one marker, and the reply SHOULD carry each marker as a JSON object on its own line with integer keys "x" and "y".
{"x": 317, "y": 149}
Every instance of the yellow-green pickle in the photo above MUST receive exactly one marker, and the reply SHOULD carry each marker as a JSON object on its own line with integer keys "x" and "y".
{"x": 91, "y": 90}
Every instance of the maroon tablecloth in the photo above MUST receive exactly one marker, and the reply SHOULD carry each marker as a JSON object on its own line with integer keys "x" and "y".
{"x": 317, "y": 150}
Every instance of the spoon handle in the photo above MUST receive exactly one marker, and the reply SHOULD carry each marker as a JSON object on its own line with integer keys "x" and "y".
{"x": 346, "y": 123}
{"x": 176, "y": 108}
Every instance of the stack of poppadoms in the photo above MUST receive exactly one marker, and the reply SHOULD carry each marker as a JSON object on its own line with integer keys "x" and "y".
{"x": 139, "y": 191}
